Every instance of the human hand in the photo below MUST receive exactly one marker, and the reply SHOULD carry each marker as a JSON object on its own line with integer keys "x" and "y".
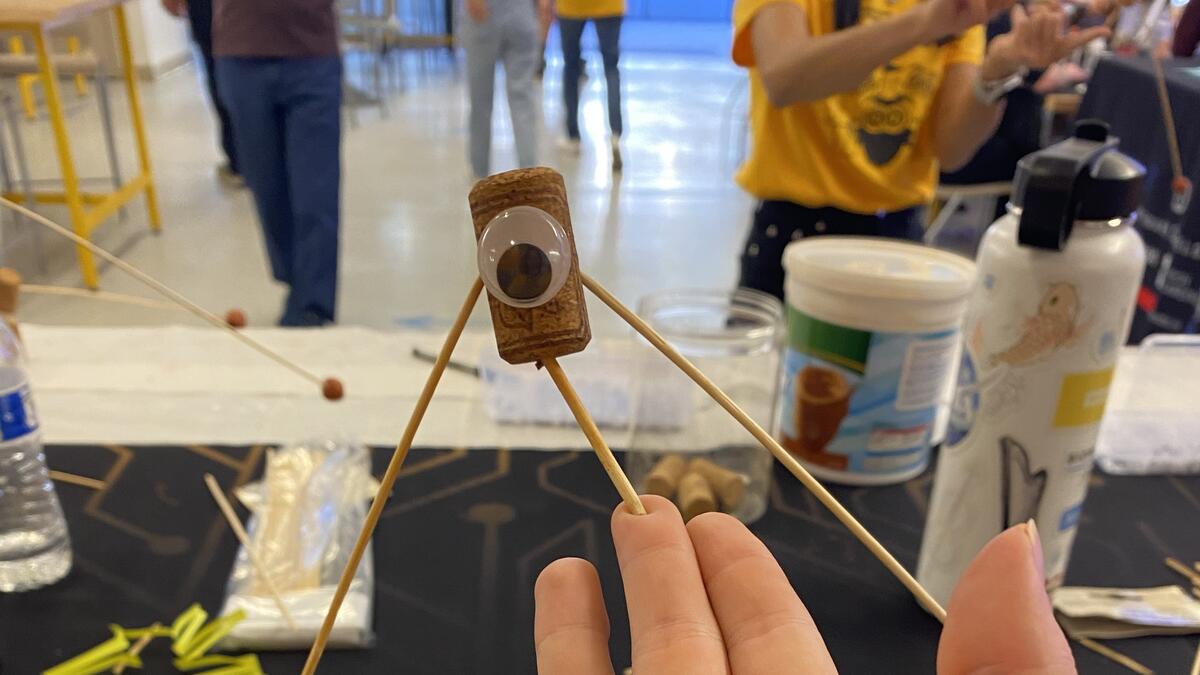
{"x": 1058, "y": 77}
{"x": 175, "y": 7}
{"x": 943, "y": 18}
{"x": 545, "y": 15}
{"x": 709, "y": 597}
{"x": 1036, "y": 40}
{"x": 478, "y": 10}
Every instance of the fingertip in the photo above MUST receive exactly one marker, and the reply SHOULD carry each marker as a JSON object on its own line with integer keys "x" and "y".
{"x": 714, "y": 524}
{"x": 654, "y": 505}
{"x": 565, "y": 575}
{"x": 1004, "y": 585}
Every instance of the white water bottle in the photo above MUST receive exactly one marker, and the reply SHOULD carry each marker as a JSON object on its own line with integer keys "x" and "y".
{"x": 1058, "y": 277}
{"x": 35, "y": 549}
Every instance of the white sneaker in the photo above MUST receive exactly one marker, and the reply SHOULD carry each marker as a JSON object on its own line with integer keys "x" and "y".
{"x": 617, "y": 162}
{"x": 569, "y": 145}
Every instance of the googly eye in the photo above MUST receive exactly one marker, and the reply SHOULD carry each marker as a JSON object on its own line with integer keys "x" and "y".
{"x": 524, "y": 256}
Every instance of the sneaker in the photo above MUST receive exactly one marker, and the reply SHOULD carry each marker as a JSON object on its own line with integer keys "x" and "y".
{"x": 569, "y": 145}
{"x": 230, "y": 178}
{"x": 617, "y": 162}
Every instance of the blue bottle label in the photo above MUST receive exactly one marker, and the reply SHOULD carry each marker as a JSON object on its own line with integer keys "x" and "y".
{"x": 17, "y": 417}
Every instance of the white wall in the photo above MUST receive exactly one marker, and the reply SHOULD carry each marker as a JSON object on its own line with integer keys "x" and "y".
{"x": 160, "y": 41}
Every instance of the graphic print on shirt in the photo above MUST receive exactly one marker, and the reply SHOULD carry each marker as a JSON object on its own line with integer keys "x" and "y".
{"x": 889, "y": 108}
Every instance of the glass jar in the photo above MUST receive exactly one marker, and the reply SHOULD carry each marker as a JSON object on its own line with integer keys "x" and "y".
{"x": 682, "y": 444}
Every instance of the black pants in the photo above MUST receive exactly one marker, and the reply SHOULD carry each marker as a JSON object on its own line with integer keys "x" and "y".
{"x": 777, "y": 224}
{"x": 200, "y": 16}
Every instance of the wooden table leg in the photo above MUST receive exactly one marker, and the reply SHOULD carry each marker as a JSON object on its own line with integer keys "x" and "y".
{"x": 87, "y": 265}
{"x": 135, "y": 114}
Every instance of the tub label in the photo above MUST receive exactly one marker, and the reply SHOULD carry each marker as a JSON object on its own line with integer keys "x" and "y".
{"x": 16, "y": 413}
{"x": 862, "y": 401}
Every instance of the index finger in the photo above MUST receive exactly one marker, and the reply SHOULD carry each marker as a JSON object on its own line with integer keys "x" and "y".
{"x": 671, "y": 625}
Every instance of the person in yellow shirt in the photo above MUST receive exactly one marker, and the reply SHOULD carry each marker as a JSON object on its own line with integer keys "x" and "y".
{"x": 855, "y": 104}
{"x": 606, "y": 15}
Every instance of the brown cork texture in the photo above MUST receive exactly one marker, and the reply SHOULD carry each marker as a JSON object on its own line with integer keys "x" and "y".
{"x": 560, "y": 326}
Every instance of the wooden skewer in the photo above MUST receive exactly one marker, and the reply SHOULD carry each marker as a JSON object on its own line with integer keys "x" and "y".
{"x": 1186, "y": 571}
{"x": 82, "y": 481}
{"x": 166, "y": 291}
{"x": 603, "y": 453}
{"x": 260, "y": 569}
{"x": 1164, "y": 100}
{"x": 106, "y": 296}
{"x": 793, "y": 465}
{"x": 137, "y": 648}
{"x": 1196, "y": 662}
{"x": 1113, "y": 655}
{"x": 389, "y": 476}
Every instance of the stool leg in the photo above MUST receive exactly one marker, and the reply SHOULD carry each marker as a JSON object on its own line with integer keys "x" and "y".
{"x": 25, "y": 83}
{"x": 18, "y": 149}
{"x": 80, "y": 80}
{"x": 943, "y": 217}
{"x": 110, "y": 143}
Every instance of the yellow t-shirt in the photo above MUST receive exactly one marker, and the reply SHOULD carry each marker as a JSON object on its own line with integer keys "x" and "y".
{"x": 589, "y": 9}
{"x": 862, "y": 151}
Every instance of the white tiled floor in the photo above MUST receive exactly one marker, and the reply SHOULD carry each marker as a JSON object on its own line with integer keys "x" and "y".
{"x": 672, "y": 218}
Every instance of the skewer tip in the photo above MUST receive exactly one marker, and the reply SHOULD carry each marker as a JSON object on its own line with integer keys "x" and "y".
{"x": 1180, "y": 184}
{"x": 332, "y": 389}
{"x": 236, "y": 318}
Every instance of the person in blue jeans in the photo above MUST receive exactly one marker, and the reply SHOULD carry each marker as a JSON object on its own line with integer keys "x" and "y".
{"x": 199, "y": 14}
{"x": 279, "y": 73}
{"x": 502, "y": 31}
{"x": 606, "y": 15}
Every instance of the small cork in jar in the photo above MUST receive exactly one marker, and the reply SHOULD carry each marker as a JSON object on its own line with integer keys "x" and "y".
{"x": 663, "y": 479}
{"x": 729, "y": 485}
{"x": 695, "y": 496}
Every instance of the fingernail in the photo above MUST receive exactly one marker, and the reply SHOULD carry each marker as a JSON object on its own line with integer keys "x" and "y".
{"x": 1035, "y": 542}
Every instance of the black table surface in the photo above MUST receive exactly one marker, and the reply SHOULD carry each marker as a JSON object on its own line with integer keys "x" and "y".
{"x": 467, "y": 532}
{"x": 1123, "y": 93}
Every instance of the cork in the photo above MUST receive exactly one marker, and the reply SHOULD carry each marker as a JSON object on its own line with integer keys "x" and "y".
{"x": 663, "y": 479}
{"x": 10, "y": 289}
{"x": 560, "y": 326}
{"x": 695, "y": 496}
{"x": 729, "y": 485}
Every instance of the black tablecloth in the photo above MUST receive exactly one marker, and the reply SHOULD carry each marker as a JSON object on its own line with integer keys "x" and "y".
{"x": 467, "y": 532}
{"x": 1123, "y": 93}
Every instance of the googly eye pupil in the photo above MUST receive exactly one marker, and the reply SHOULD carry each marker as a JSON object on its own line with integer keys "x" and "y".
{"x": 524, "y": 272}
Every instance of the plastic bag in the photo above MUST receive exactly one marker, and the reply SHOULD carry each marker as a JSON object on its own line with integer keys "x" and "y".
{"x": 305, "y": 517}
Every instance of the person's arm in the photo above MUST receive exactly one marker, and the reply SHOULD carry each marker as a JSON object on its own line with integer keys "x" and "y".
{"x": 796, "y": 67}
{"x": 962, "y": 122}
{"x": 175, "y": 7}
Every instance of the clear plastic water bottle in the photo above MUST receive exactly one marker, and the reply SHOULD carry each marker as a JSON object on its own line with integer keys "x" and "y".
{"x": 35, "y": 549}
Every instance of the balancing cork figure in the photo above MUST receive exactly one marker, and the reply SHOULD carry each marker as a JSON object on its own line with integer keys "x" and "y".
{"x": 525, "y": 252}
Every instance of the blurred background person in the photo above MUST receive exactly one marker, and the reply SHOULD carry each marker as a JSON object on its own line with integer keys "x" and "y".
{"x": 199, "y": 14}
{"x": 606, "y": 16}
{"x": 503, "y": 31}
{"x": 854, "y": 107}
{"x": 279, "y": 72}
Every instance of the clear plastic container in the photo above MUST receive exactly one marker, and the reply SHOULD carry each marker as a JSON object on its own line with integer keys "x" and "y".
{"x": 735, "y": 338}
{"x": 35, "y": 549}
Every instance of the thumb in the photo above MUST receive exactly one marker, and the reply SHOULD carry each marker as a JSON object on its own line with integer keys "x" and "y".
{"x": 999, "y": 619}
{"x": 1017, "y": 16}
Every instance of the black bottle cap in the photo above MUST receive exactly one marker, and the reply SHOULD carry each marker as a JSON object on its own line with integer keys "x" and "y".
{"x": 1082, "y": 178}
